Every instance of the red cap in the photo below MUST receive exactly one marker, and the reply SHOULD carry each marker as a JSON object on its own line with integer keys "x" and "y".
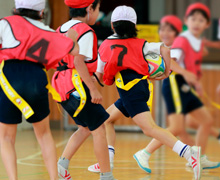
{"x": 78, "y": 3}
{"x": 198, "y": 6}
{"x": 174, "y": 21}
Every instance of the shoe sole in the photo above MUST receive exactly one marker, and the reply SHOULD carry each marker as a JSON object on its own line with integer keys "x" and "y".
{"x": 94, "y": 171}
{"x": 199, "y": 164}
{"x": 143, "y": 168}
{"x": 213, "y": 167}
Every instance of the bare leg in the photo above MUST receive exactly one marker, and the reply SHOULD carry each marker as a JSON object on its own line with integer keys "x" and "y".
{"x": 192, "y": 123}
{"x": 101, "y": 148}
{"x": 115, "y": 114}
{"x": 45, "y": 139}
{"x": 176, "y": 127}
{"x": 75, "y": 142}
{"x": 186, "y": 138}
{"x": 7, "y": 145}
{"x": 205, "y": 120}
{"x": 146, "y": 123}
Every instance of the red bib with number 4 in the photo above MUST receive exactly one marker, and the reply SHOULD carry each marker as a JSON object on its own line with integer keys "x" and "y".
{"x": 121, "y": 54}
{"x": 35, "y": 44}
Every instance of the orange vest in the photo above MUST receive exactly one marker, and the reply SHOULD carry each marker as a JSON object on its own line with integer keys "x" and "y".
{"x": 36, "y": 45}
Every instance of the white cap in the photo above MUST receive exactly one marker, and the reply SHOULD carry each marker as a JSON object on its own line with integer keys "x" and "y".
{"x": 124, "y": 13}
{"x": 36, "y": 5}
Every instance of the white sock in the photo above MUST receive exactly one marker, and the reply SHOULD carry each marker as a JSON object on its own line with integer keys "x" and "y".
{"x": 181, "y": 149}
{"x": 147, "y": 153}
{"x": 111, "y": 151}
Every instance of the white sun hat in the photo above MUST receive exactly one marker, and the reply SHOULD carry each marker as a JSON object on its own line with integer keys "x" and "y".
{"x": 36, "y": 5}
{"x": 124, "y": 13}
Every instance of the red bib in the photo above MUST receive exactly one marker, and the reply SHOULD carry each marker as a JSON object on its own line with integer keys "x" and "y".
{"x": 121, "y": 54}
{"x": 36, "y": 45}
{"x": 62, "y": 80}
{"x": 192, "y": 58}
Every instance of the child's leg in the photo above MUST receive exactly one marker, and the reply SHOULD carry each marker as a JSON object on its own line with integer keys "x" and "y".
{"x": 75, "y": 141}
{"x": 192, "y": 123}
{"x": 7, "y": 145}
{"x": 205, "y": 120}
{"x": 45, "y": 139}
{"x": 101, "y": 148}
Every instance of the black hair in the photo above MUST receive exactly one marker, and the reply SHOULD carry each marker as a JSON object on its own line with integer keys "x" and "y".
{"x": 204, "y": 14}
{"x": 172, "y": 27}
{"x": 28, "y": 13}
{"x": 81, "y": 12}
{"x": 125, "y": 29}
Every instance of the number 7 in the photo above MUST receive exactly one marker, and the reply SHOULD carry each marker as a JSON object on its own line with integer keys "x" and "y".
{"x": 121, "y": 54}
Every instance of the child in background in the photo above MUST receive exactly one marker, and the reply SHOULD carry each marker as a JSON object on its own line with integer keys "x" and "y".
{"x": 23, "y": 79}
{"x": 122, "y": 54}
{"x": 82, "y": 99}
{"x": 186, "y": 53}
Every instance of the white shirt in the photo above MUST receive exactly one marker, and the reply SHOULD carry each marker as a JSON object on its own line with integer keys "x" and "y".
{"x": 178, "y": 54}
{"x": 148, "y": 48}
{"x": 6, "y": 36}
{"x": 85, "y": 42}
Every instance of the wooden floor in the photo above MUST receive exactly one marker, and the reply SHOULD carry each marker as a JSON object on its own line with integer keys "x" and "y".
{"x": 165, "y": 164}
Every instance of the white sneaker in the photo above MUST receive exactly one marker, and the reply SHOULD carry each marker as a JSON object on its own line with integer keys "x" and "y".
{"x": 96, "y": 169}
{"x": 63, "y": 173}
{"x": 142, "y": 159}
{"x": 206, "y": 164}
{"x": 195, "y": 161}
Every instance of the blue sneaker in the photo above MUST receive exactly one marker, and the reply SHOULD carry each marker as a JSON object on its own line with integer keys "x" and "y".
{"x": 142, "y": 159}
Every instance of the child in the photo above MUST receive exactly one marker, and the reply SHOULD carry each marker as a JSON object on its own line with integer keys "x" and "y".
{"x": 23, "y": 79}
{"x": 187, "y": 51}
{"x": 122, "y": 56}
{"x": 82, "y": 99}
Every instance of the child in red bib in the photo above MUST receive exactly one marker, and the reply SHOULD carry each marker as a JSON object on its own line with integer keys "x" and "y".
{"x": 28, "y": 48}
{"x": 134, "y": 99}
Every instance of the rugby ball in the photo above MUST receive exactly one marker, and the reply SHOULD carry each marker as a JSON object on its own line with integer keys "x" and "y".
{"x": 156, "y": 65}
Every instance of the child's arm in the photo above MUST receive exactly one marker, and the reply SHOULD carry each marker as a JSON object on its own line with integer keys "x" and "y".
{"x": 73, "y": 35}
{"x": 84, "y": 74}
{"x": 212, "y": 44}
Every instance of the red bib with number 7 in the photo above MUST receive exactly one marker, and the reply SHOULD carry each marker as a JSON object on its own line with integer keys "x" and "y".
{"x": 35, "y": 44}
{"x": 121, "y": 54}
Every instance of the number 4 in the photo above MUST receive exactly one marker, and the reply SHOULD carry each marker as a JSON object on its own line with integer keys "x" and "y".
{"x": 41, "y": 45}
{"x": 121, "y": 54}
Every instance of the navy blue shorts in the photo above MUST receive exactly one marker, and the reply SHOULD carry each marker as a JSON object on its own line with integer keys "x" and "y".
{"x": 120, "y": 106}
{"x": 135, "y": 99}
{"x": 29, "y": 81}
{"x": 189, "y": 101}
{"x": 91, "y": 116}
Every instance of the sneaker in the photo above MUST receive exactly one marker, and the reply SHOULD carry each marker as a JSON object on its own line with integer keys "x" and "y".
{"x": 195, "y": 161}
{"x": 206, "y": 164}
{"x": 63, "y": 173}
{"x": 96, "y": 169}
{"x": 142, "y": 160}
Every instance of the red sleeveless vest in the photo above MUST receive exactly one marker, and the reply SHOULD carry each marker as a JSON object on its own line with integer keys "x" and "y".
{"x": 121, "y": 54}
{"x": 62, "y": 80}
{"x": 192, "y": 59}
{"x": 36, "y": 45}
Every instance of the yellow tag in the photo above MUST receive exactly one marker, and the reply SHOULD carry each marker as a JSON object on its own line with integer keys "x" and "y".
{"x": 175, "y": 93}
{"x": 120, "y": 84}
{"x": 13, "y": 96}
{"x": 80, "y": 89}
{"x": 51, "y": 90}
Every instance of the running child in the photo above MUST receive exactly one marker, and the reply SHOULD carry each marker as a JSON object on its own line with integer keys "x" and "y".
{"x": 186, "y": 53}
{"x": 122, "y": 56}
{"x": 28, "y": 47}
{"x": 81, "y": 99}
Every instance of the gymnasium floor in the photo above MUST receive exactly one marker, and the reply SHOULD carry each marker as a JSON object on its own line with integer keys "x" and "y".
{"x": 165, "y": 164}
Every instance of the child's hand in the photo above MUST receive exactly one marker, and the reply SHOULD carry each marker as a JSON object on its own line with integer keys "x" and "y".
{"x": 96, "y": 96}
{"x": 190, "y": 78}
{"x": 72, "y": 34}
